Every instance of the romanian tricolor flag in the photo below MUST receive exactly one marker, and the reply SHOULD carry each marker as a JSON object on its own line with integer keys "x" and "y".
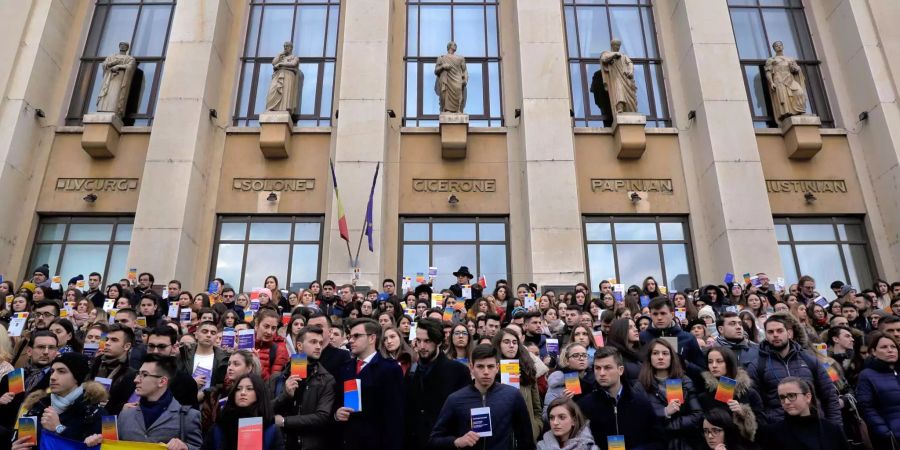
{"x": 342, "y": 219}
{"x": 482, "y": 281}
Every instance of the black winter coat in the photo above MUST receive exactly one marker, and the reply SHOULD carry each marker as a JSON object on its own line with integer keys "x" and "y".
{"x": 630, "y": 415}
{"x": 426, "y": 392}
{"x": 308, "y": 411}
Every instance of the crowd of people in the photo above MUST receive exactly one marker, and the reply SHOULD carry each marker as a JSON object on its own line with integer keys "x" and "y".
{"x": 742, "y": 364}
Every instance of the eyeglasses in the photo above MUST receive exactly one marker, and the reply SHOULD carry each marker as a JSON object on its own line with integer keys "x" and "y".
{"x": 354, "y": 337}
{"x": 460, "y": 333}
{"x": 157, "y": 347}
{"x": 712, "y": 431}
{"x": 146, "y": 374}
{"x": 578, "y": 356}
{"x": 791, "y": 396}
{"x": 43, "y": 314}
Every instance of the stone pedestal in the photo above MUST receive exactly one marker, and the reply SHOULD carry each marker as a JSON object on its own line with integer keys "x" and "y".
{"x": 454, "y": 135}
{"x": 100, "y": 137}
{"x": 275, "y": 134}
{"x": 801, "y": 136}
{"x": 630, "y": 138}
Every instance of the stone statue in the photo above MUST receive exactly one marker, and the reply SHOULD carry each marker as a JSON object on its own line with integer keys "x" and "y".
{"x": 287, "y": 79}
{"x": 118, "y": 70}
{"x": 618, "y": 78}
{"x": 787, "y": 86}
{"x": 452, "y": 77}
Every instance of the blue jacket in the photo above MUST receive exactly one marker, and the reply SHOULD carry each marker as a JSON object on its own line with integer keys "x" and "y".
{"x": 770, "y": 368}
{"x": 510, "y": 425}
{"x": 688, "y": 348}
{"x": 878, "y": 396}
{"x": 630, "y": 415}
{"x": 379, "y": 426}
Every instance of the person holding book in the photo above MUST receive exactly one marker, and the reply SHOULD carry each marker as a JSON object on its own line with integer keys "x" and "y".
{"x": 509, "y": 346}
{"x": 158, "y": 417}
{"x": 72, "y": 407}
{"x": 113, "y": 365}
{"x": 672, "y": 395}
{"x": 507, "y": 416}
{"x": 304, "y": 396}
{"x": 248, "y": 399}
{"x": 36, "y": 375}
{"x": 378, "y": 422}
{"x": 573, "y": 380}
{"x": 736, "y": 396}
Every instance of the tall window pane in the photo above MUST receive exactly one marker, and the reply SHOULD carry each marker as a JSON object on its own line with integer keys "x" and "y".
{"x": 590, "y": 25}
{"x": 248, "y": 249}
{"x": 759, "y": 23}
{"x": 74, "y": 246}
{"x": 629, "y": 249}
{"x": 828, "y": 249}
{"x": 145, "y": 25}
{"x": 312, "y": 26}
{"x": 473, "y": 25}
{"x": 479, "y": 243}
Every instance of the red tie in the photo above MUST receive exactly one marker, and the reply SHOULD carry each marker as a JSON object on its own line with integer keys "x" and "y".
{"x": 359, "y": 365}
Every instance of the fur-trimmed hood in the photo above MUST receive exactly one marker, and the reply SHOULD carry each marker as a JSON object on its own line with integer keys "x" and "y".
{"x": 743, "y": 385}
{"x": 94, "y": 393}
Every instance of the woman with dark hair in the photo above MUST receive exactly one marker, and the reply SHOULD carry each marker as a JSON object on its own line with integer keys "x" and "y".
{"x": 278, "y": 300}
{"x": 878, "y": 390}
{"x": 569, "y": 430}
{"x": 315, "y": 288}
{"x": 201, "y": 300}
{"x": 745, "y": 407}
{"x": 509, "y": 346}
{"x": 395, "y": 347}
{"x": 580, "y": 301}
{"x": 650, "y": 288}
{"x": 65, "y": 336}
{"x": 802, "y": 427}
{"x": 748, "y": 322}
{"x": 625, "y": 337}
{"x": 642, "y": 323}
{"x": 229, "y": 319}
{"x": 721, "y": 433}
{"x": 248, "y": 398}
{"x": 681, "y": 417}
{"x": 818, "y": 317}
{"x": 501, "y": 300}
{"x": 572, "y": 359}
{"x": 113, "y": 292}
{"x": 292, "y": 333}
{"x": 461, "y": 343}
{"x": 584, "y": 336}
{"x": 882, "y": 294}
{"x": 681, "y": 301}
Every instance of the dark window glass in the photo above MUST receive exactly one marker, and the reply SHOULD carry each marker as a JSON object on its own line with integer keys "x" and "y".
{"x": 629, "y": 249}
{"x": 312, "y": 26}
{"x": 81, "y": 245}
{"x": 480, "y": 243}
{"x": 145, "y": 25}
{"x": 473, "y": 25}
{"x": 759, "y": 23}
{"x": 590, "y": 25}
{"x": 828, "y": 249}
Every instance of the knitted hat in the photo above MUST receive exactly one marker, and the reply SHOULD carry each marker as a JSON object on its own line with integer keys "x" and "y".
{"x": 29, "y": 286}
{"x": 706, "y": 311}
{"x": 76, "y": 363}
{"x": 423, "y": 288}
{"x": 44, "y": 269}
{"x": 846, "y": 289}
{"x": 75, "y": 280}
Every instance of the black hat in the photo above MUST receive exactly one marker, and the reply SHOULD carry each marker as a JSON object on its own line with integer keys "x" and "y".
{"x": 76, "y": 363}
{"x": 75, "y": 280}
{"x": 44, "y": 269}
{"x": 463, "y": 271}
{"x": 423, "y": 288}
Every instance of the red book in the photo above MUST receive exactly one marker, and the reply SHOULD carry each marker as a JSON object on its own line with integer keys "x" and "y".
{"x": 250, "y": 433}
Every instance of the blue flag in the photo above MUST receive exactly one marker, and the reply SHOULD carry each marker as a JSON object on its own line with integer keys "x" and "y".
{"x": 52, "y": 441}
{"x": 369, "y": 209}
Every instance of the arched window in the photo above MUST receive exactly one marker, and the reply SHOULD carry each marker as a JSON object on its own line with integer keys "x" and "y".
{"x": 145, "y": 25}
{"x": 590, "y": 25}
{"x": 312, "y": 26}
{"x": 759, "y": 23}
{"x": 473, "y": 25}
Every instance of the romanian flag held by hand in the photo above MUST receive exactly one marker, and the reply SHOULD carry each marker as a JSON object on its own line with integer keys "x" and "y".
{"x": 342, "y": 219}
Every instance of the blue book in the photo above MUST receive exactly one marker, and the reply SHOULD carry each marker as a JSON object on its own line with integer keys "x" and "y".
{"x": 353, "y": 394}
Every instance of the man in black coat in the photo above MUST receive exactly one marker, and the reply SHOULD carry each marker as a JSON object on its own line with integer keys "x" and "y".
{"x": 464, "y": 277}
{"x": 429, "y": 382}
{"x": 43, "y": 345}
{"x": 616, "y": 408}
{"x": 379, "y": 423}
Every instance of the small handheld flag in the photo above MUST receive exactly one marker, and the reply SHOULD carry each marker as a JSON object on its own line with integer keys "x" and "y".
{"x": 353, "y": 394}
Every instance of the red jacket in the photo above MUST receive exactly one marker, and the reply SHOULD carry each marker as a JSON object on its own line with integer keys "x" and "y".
{"x": 264, "y": 352}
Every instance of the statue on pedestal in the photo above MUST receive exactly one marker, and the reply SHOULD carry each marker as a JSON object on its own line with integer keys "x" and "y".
{"x": 787, "y": 86}
{"x": 287, "y": 79}
{"x": 452, "y": 77}
{"x": 618, "y": 79}
{"x": 118, "y": 70}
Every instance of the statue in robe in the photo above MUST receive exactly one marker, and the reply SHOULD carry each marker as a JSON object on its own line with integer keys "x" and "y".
{"x": 452, "y": 77}
{"x": 287, "y": 79}
{"x": 787, "y": 86}
{"x": 118, "y": 70}
{"x": 618, "y": 78}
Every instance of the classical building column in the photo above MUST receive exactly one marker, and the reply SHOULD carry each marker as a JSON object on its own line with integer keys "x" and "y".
{"x": 175, "y": 213}
{"x": 360, "y": 139}
{"x": 729, "y": 207}
{"x": 38, "y": 51}
{"x": 859, "y": 43}
{"x": 552, "y": 233}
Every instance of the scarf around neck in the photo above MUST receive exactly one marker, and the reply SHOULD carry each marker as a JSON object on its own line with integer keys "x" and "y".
{"x": 63, "y": 403}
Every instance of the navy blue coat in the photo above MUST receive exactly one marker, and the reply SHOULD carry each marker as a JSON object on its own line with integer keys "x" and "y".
{"x": 510, "y": 424}
{"x": 630, "y": 415}
{"x": 770, "y": 368}
{"x": 688, "y": 348}
{"x": 426, "y": 392}
{"x": 379, "y": 426}
{"x": 878, "y": 394}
